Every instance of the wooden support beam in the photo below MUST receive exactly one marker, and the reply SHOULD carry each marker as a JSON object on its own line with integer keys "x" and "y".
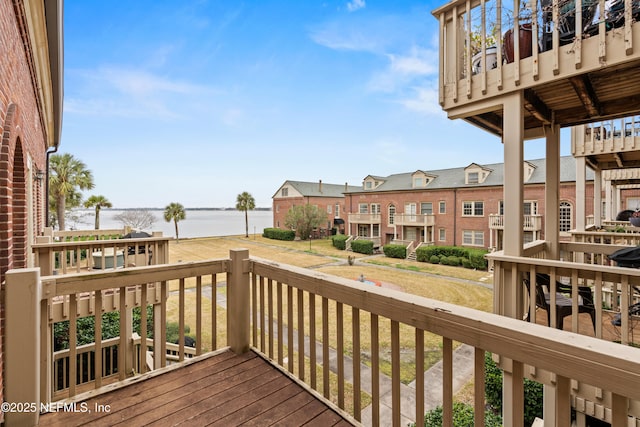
{"x": 584, "y": 89}
{"x": 536, "y": 107}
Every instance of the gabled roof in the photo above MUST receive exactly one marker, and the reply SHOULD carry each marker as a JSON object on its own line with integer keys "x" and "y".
{"x": 455, "y": 177}
{"x": 316, "y": 189}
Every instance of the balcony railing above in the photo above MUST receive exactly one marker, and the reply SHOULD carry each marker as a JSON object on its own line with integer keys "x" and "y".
{"x": 530, "y": 222}
{"x": 573, "y": 62}
{"x": 610, "y": 137}
{"x": 419, "y": 220}
{"x": 365, "y": 218}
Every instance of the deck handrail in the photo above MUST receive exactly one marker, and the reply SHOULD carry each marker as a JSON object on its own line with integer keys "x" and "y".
{"x": 77, "y": 256}
{"x": 265, "y": 297}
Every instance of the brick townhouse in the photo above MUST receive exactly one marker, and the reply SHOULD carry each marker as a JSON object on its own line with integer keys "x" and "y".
{"x": 31, "y": 64}
{"x": 457, "y": 206}
{"x": 328, "y": 197}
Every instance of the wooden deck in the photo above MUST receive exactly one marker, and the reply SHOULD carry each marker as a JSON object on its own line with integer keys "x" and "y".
{"x": 221, "y": 390}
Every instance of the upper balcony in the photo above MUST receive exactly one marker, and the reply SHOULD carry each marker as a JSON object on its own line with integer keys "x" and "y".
{"x": 530, "y": 223}
{"x": 365, "y": 218}
{"x": 611, "y": 145}
{"x": 573, "y": 65}
{"x": 417, "y": 220}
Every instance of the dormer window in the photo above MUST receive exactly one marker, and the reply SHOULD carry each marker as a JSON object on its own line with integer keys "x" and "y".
{"x": 420, "y": 179}
{"x": 285, "y": 192}
{"x": 368, "y": 185}
{"x": 371, "y": 182}
{"x": 475, "y": 174}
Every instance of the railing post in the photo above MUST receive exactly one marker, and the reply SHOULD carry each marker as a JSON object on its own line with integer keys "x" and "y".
{"x": 238, "y": 308}
{"x": 44, "y": 257}
{"x": 22, "y": 344}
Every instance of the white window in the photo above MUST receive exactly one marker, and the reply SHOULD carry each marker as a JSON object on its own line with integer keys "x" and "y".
{"x": 363, "y": 208}
{"x": 328, "y": 209}
{"x": 473, "y": 178}
{"x": 473, "y": 238}
{"x": 442, "y": 234}
{"x": 472, "y": 208}
{"x": 565, "y": 216}
{"x": 529, "y": 207}
{"x": 442, "y": 207}
{"x": 375, "y": 208}
{"x": 285, "y": 192}
{"x": 376, "y": 230}
{"x": 337, "y": 210}
{"x": 417, "y": 182}
{"x": 392, "y": 214}
{"x": 426, "y": 208}
{"x": 368, "y": 185}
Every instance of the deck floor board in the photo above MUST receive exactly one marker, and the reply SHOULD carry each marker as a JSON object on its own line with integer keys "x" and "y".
{"x": 224, "y": 389}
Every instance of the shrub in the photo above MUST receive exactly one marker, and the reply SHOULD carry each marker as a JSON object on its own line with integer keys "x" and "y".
{"x": 395, "y": 251}
{"x": 466, "y": 263}
{"x": 451, "y": 260}
{"x": 475, "y": 257}
{"x": 435, "y": 259}
{"x": 493, "y": 392}
{"x": 278, "y": 234}
{"x": 478, "y": 261}
{"x": 362, "y": 247}
{"x": 339, "y": 241}
{"x": 462, "y": 416}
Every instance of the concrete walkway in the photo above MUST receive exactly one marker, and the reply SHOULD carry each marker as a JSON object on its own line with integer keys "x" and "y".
{"x": 462, "y": 373}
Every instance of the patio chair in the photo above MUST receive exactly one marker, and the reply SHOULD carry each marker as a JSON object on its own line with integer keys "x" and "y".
{"x": 563, "y": 302}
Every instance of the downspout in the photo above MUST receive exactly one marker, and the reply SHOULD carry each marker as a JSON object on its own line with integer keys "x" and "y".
{"x": 455, "y": 215}
{"x": 46, "y": 186}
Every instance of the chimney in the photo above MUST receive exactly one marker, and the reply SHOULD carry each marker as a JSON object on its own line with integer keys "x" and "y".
{"x": 346, "y": 187}
{"x": 320, "y": 186}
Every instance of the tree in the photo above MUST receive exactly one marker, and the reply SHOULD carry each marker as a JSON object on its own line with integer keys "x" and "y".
{"x": 137, "y": 219}
{"x": 304, "y": 218}
{"x": 67, "y": 176}
{"x": 98, "y": 202}
{"x": 245, "y": 203}
{"x": 175, "y": 212}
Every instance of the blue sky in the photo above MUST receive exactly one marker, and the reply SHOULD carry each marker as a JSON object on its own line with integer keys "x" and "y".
{"x": 197, "y": 101}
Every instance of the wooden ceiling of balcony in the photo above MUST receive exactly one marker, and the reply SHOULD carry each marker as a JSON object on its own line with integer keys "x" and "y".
{"x": 605, "y": 93}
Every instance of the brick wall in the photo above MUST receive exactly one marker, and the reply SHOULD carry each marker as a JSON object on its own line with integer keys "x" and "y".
{"x": 281, "y": 206}
{"x": 22, "y": 139}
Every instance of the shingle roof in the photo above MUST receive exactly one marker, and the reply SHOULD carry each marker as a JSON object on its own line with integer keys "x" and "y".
{"x": 312, "y": 189}
{"x": 455, "y": 177}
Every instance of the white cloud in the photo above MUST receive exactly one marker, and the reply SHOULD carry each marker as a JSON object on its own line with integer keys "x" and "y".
{"x": 354, "y": 5}
{"x": 425, "y": 101}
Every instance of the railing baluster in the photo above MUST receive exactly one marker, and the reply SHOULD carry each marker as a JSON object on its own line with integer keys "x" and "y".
{"x": 300, "y": 310}
{"x": 122, "y": 350}
{"x": 198, "y": 313}
{"x": 312, "y": 340}
{"x": 420, "y": 375}
{"x": 181, "y": 320}
{"x": 280, "y": 326}
{"x": 98, "y": 338}
{"x": 143, "y": 329}
{"x": 355, "y": 330}
{"x": 447, "y": 382}
{"x": 270, "y": 321}
{"x": 395, "y": 370}
{"x": 214, "y": 312}
{"x": 375, "y": 371}
{"x": 325, "y": 348}
{"x": 263, "y": 332}
{"x": 73, "y": 344}
{"x": 254, "y": 310}
{"x": 340, "y": 351}
{"x": 478, "y": 385}
{"x": 290, "y": 327}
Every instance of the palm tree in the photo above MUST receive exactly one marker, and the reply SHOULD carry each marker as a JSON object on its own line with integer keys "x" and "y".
{"x": 67, "y": 176}
{"x": 245, "y": 202}
{"x": 175, "y": 212}
{"x": 99, "y": 202}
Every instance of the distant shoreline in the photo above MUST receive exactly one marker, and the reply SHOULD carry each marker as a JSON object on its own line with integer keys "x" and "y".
{"x": 162, "y": 209}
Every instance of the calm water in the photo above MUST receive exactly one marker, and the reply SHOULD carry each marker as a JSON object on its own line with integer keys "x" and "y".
{"x": 198, "y": 223}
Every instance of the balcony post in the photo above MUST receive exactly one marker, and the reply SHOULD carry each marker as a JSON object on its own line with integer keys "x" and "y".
{"x": 552, "y": 193}
{"x": 238, "y": 301}
{"x": 22, "y": 344}
{"x": 597, "y": 198}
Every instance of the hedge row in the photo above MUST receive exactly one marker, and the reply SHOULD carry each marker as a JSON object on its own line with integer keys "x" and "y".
{"x": 339, "y": 241}
{"x": 362, "y": 246}
{"x": 453, "y": 255}
{"x": 395, "y": 251}
{"x": 278, "y": 234}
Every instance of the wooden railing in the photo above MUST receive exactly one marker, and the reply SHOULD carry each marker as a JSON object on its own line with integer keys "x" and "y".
{"x": 609, "y": 136}
{"x": 414, "y": 219}
{"x": 77, "y": 256}
{"x": 302, "y": 320}
{"x": 529, "y": 223}
{"x": 629, "y": 237}
{"x": 560, "y": 39}
{"x": 71, "y": 235}
{"x": 365, "y": 218}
